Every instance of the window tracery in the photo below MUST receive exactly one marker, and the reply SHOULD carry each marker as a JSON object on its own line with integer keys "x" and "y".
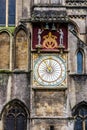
{"x": 81, "y": 118}
{"x": 15, "y": 118}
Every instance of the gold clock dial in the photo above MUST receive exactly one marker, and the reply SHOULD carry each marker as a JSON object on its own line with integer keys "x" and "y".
{"x": 49, "y": 70}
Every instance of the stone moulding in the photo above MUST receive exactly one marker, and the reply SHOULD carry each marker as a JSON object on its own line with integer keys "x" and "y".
{"x": 52, "y": 117}
{"x": 14, "y": 71}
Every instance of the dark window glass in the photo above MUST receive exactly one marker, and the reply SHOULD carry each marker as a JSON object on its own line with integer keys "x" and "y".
{"x": 11, "y": 12}
{"x": 78, "y": 124}
{"x": 79, "y": 62}
{"x": 83, "y": 112}
{"x": 21, "y": 122}
{"x": 51, "y": 127}
{"x": 2, "y": 12}
{"x": 10, "y": 122}
{"x": 86, "y": 124}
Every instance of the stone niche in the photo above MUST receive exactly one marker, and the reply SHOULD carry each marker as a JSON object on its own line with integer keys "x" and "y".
{"x": 4, "y": 50}
{"x": 49, "y": 102}
{"x": 21, "y": 56}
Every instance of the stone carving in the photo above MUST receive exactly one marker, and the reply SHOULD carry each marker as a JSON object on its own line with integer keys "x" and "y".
{"x": 39, "y": 36}
{"x": 61, "y": 36}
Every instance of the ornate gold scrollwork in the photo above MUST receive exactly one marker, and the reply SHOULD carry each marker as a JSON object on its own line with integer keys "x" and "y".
{"x": 50, "y": 41}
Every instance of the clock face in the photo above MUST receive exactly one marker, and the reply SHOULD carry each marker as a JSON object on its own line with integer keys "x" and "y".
{"x": 49, "y": 70}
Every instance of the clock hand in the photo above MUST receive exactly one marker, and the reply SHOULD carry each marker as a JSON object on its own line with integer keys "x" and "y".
{"x": 46, "y": 64}
{"x": 50, "y": 62}
{"x": 48, "y": 67}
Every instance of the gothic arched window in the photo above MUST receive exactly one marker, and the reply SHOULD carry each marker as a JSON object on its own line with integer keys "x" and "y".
{"x": 80, "y": 115}
{"x": 15, "y": 118}
{"x": 79, "y": 62}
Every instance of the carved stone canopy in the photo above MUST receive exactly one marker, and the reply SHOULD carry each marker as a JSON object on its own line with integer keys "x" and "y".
{"x": 49, "y": 16}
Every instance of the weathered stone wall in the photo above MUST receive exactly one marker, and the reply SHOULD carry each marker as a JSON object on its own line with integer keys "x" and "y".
{"x": 22, "y": 9}
{"x": 77, "y": 89}
{"x": 14, "y": 86}
{"x": 77, "y": 82}
{"x": 3, "y": 89}
{"x": 21, "y": 88}
{"x": 49, "y": 103}
{"x": 72, "y": 47}
{"x": 44, "y": 124}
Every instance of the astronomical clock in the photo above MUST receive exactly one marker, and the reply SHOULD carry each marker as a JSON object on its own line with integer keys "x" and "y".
{"x": 49, "y": 70}
{"x": 49, "y": 63}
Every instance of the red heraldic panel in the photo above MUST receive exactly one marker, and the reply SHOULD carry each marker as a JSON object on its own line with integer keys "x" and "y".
{"x": 50, "y": 36}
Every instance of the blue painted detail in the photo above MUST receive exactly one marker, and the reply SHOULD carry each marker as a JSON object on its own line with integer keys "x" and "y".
{"x": 79, "y": 62}
{"x": 2, "y": 12}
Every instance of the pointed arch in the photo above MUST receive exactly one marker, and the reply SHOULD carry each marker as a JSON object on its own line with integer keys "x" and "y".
{"x": 21, "y": 26}
{"x": 80, "y": 61}
{"x": 74, "y": 25}
{"x": 15, "y": 115}
{"x": 6, "y": 30}
{"x": 14, "y": 102}
{"x": 21, "y": 47}
{"x": 80, "y": 114}
{"x": 77, "y": 106}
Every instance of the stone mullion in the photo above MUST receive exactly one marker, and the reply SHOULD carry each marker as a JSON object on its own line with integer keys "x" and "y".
{"x": 6, "y": 13}
{"x": 9, "y": 86}
{"x": 16, "y": 13}
{"x": 83, "y": 124}
{"x": 11, "y": 50}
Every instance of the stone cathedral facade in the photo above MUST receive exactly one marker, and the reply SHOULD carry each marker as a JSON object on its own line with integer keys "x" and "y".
{"x": 43, "y": 65}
